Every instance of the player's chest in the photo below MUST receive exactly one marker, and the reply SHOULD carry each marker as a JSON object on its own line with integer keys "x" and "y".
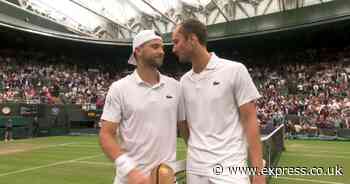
{"x": 211, "y": 89}
{"x": 150, "y": 100}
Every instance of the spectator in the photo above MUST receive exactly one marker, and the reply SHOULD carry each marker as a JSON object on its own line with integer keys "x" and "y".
{"x": 8, "y": 130}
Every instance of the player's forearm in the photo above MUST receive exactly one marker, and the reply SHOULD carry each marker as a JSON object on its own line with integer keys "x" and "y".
{"x": 109, "y": 144}
{"x": 255, "y": 151}
{"x": 111, "y": 148}
{"x": 254, "y": 143}
{"x": 249, "y": 122}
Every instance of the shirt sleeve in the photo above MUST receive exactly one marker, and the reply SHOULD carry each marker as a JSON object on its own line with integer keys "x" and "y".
{"x": 112, "y": 107}
{"x": 244, "y": 89}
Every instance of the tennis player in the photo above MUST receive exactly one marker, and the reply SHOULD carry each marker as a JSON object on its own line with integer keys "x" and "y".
{"x": 220, "y": 111}
{"x": 143, "y": 109}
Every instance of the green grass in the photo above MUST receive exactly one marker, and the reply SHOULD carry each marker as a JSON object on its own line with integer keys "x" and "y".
{"x": 79, "y": 160}
{"x": 310, "y": 154}
{"x": 55, "y": 160}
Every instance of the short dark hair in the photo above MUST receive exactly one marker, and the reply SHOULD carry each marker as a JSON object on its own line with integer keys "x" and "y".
{"x": 194, "y": 26}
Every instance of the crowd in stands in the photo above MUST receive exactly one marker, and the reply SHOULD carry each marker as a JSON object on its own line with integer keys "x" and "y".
{"x": 55, "y": 80}
{"x": 312, "y": 95}
{"x": 312, "y": 86}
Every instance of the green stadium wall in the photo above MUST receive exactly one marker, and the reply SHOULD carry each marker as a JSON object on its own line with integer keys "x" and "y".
{"x": 52, "y": 119}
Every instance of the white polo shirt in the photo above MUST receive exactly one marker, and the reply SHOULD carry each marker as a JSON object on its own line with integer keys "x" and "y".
{"x": 147, "y": 117}
{"x": 212, "y": 101}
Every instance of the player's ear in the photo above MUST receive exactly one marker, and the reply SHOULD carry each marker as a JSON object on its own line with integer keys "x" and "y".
{"x": 137, "y": 52}
{"x": 193, "y": 39}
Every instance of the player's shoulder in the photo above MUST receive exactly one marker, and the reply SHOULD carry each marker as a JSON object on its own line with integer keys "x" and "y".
{"x": 231, "y": 64}
{"x": 169, "y": 79}
{"x": 186, "y": 76}
{"x": 121, "y": 83}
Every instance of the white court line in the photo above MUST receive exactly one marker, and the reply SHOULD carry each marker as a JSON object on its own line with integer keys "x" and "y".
{"x": 316, "y": 155}
{"x": 88, "y": 144}
{"x": 180, "y": 148}
{"x": 311, "y": 148}
{"x": 35, "y": 148}
{"x": 50, "y": 165}
{"x": 53, "y": 145}
{"x": 95, "y": 163}
{"x": 310, "y": 180}
{"x": 84, "y": 146}
{"x": 332, "y": 152}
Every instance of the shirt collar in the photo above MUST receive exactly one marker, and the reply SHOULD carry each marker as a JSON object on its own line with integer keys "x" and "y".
{"x": 139, "y": 81}
{"x": 137, "y": 78}
{"x": 161, "y": 79}
{"x": 213, "y": 61}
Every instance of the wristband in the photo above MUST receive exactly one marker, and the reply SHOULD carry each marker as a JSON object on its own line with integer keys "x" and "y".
{"x": 124, "y": 165}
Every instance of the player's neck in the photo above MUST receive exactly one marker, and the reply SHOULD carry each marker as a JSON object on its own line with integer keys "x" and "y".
{"x": 200, "y": 60}
{"x": 148, "y": 74}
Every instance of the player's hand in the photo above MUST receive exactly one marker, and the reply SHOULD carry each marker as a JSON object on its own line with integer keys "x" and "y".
{"x": 135, "y": 176}
{"x": 259, "y": 179}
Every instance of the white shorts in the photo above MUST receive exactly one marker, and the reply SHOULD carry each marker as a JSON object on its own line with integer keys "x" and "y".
{"x": 227, "y": 179}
